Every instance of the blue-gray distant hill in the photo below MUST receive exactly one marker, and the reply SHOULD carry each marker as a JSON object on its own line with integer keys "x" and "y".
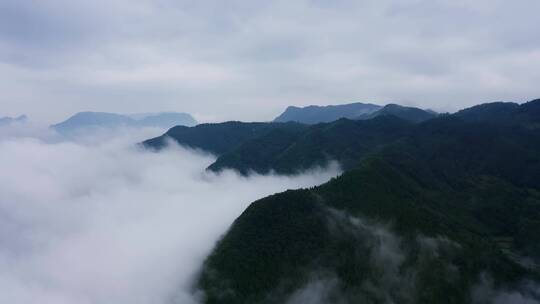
{"x": 356, "y": 111}
{"x": 4, "y": 121}
{"x": 97, "y": 120}
{"x": 318, "y": 114}
{"x": 410, "y": 114}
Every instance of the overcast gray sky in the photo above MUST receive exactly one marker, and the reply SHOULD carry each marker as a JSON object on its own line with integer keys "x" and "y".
{"x": 248, "y": 60}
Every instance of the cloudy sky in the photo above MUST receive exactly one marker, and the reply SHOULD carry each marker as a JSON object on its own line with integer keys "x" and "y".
{"x": 248, "y": 60}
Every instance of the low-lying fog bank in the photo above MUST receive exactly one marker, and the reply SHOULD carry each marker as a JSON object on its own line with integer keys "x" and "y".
{"x": 102, "y": 221}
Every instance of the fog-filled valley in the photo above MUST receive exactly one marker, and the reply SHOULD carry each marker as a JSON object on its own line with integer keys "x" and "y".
{"x": 100, "y": 220}
{"x": 269, "y": 152}
{"x": 401, "y": 206}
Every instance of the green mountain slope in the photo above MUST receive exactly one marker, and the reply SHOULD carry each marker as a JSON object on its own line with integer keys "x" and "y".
{"x": 218, "y": 138}
{"x": 291, "y": 147}
{"x": 289, "y": 151}
{"x": 527, "y": 114}
{"x": 420, "y": 221}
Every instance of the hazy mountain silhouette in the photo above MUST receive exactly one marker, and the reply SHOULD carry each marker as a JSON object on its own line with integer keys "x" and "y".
{"x": 317, "y": 114}
{"x": 4, "y": 121}
{"x": 411, "y": 114}
{"x": 92, "y": 120}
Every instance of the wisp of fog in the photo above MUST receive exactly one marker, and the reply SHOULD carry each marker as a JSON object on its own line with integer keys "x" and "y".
{"x": 108, "y": 222}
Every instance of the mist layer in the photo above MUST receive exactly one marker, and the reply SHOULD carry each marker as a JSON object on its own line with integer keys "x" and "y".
{"x": 106, "y": 222}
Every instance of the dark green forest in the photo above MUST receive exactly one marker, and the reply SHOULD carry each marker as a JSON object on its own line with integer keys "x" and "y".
{"x": 423, "y": 213}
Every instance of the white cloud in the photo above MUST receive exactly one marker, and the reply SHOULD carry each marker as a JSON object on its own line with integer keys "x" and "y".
{"x": 83, "y": 222}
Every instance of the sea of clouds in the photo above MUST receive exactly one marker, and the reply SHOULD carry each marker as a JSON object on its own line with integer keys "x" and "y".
{"x": 97, "y": 219}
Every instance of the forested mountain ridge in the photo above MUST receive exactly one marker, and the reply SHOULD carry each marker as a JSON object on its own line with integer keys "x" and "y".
{"x": 508, "y": 113}
{"x": 291, "y": 147}
{"x": 423, "y": 220}
{"x": 344, "y": 140}
{"x": 429, "y": 210}
{"x": 219, "y": 138}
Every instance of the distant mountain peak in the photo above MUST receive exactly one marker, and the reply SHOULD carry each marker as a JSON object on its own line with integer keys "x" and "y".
{"x": 88, "y": 119}
{"x": 411, "y": 114}
{"x": 313, "y": 114}
{"x": 4, "y": 121}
